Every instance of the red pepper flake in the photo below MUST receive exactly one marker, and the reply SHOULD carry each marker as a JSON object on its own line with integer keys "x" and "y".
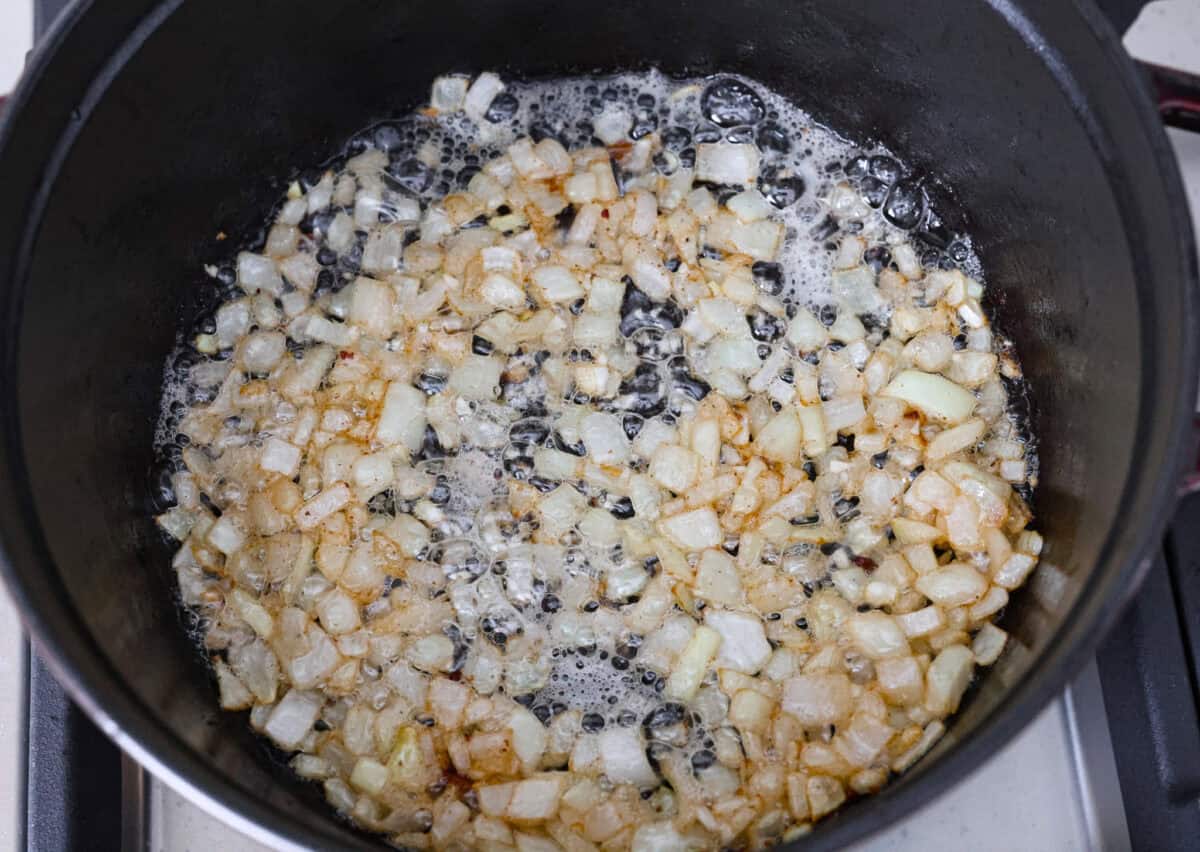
{"x": 604, "y": 213}
{"x": 865, "y": 563}
{"x": 345, "y": 355}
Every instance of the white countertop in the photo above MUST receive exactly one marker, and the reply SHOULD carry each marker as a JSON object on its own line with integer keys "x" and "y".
{"x": 16, "y": 35}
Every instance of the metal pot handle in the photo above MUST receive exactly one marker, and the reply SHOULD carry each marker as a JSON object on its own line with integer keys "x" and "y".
{"x": 1191, "y": 479}
{"x": 1177, "y": 94}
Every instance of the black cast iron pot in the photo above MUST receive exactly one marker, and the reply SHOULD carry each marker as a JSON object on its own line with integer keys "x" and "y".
{"x": 143, "y": 129}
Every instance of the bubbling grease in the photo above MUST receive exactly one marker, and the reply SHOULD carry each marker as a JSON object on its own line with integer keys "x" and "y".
{"x": 437, "y": 156}
{"x": 568, "y": 599}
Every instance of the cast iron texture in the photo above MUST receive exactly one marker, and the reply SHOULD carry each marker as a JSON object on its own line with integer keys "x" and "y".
{"x": 145, "y": 129}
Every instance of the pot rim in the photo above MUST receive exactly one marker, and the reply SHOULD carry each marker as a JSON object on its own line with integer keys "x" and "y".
{"x": 98, "y": 688}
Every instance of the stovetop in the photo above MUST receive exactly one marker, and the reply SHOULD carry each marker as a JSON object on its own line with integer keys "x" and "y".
{"x": 1149, "y": 675}
{"x": 1065, "y": 783}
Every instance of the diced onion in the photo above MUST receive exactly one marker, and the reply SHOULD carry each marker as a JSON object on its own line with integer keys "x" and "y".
{"x": 535, "y": 800}
{"x": 817, "y": 699}
{"x": 954, "y": 585}
{"x": 689, "y": 669}
{"x": 694, "y": 530}
{"x": 934, "y": 395}
{"x": 481, "y": 94}
{"x": 947, "y": 678}
{"x": 877, "y": 634}
{"x": 292, "y": 718}
{"x": 448, "y": 93}
{"x": 256, "y": 273}
{"x": 717, "y": 581}
{"x": 744, "y": 645}
{"x": 623, "y": 756}
{"x": 727, "y": 162}
{"x": 605, "y": 439}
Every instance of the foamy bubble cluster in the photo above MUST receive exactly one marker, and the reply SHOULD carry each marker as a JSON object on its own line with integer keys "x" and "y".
{"x": 802, "y": 160}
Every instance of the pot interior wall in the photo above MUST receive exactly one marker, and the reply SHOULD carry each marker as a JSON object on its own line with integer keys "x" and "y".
{"x": 196, "y": 131}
